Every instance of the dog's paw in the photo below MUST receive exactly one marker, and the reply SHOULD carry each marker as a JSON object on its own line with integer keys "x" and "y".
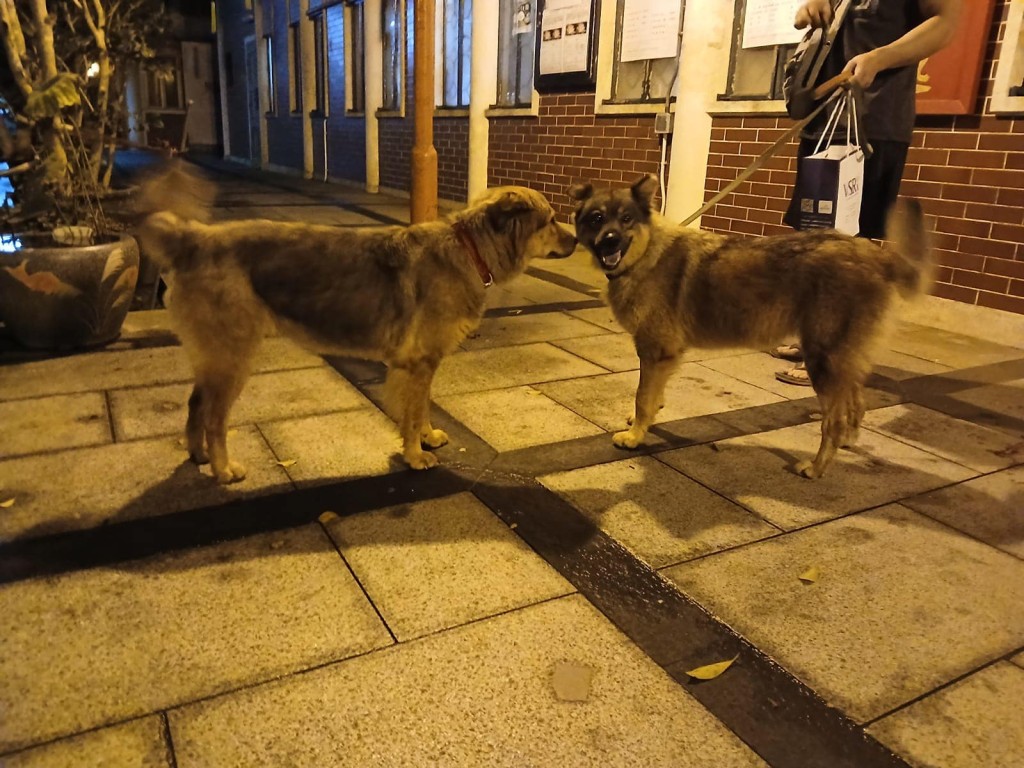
{"x": 628, "y": 439}
{"x": 230, "y": 474}
{"x": 422, "y": 460}
{"x": 807, "y": 469}
{"x": 435, "y": 438}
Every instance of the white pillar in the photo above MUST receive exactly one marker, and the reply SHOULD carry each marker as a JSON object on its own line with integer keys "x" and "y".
{"x": 261, "y": 68}
{"x": 483, "y": 89}
{"x": 308, "y": 63}
{"x": 373, "y": 71}
{"x": 704, "y": 67}
{"x": 222, "y": 74}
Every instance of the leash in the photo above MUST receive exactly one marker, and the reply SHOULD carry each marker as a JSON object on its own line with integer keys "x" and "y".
{"x": 833, "y": 88}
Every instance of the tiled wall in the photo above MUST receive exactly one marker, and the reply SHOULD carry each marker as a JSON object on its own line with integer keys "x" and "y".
{"x": 568, "y": 143}
{"x": 967, "y": 170}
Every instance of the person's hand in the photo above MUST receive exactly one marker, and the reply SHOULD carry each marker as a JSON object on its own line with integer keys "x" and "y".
{"x": 814, "y": 13}
{"x": 863, "y": 69}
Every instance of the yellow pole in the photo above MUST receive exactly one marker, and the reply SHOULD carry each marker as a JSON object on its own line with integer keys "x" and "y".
{"x": 423, "y": 204}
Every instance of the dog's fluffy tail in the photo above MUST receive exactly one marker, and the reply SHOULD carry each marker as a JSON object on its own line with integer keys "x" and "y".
{"x": 167, "y": 204}
{"x": 906, "y": 232}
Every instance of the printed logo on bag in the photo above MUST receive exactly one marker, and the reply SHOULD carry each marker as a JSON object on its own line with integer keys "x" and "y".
{"x": 851, "y": 187}
{"x": 825, "y": 206}
{"x": 806, "y": 205}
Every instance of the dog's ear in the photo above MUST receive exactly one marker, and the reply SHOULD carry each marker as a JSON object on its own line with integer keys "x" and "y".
{"x": 581, "y": 192}
{"x": 506, "y": 209}
{"x": 644, "y": 189}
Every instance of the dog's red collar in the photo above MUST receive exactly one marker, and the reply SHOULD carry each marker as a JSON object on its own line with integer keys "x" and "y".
{"x": 474, "y": 255}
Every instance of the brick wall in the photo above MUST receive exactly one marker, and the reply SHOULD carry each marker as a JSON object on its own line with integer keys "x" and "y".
{"x": 967, "y": 170}
{"x": 346, "y": 136}
{"x": 284, "y": 129}
{"x": 568, "y": 143}
{"x": 451, "y": 140}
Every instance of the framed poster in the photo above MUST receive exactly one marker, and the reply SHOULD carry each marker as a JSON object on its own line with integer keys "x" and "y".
{"x": 566, "y": 56}
{"x": 948, "y": 82}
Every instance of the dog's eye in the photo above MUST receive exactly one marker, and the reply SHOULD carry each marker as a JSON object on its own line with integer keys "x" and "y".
{"x": 627, "y": 218}
{"x": 596, "y": 219}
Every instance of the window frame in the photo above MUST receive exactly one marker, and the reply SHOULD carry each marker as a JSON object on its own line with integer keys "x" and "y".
{"x": 321, "y": 100}
{"x": 354, "y": 21}
{"x": 612, "y": 99}
{"x": 464, "y": 43}
{"x": 294, "y": 68}
{"x": 271, "y": 81}
{"x": 525, "y": 53}
{"x": 397, "y": 108}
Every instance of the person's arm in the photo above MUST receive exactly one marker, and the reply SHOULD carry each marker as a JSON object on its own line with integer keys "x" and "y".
{"x": 814, "y": 13}
{"x": 927, "y": 38}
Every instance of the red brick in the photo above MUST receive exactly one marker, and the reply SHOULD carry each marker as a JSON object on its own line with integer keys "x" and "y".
{"x": 1002, "y": 213}
{"x": 1016, "y": 288}
{"x": 1014, "y": 197}
{"x": 951, "y": 140}
{"x": 970, "y": 194}
{"x": 1006, "y": 267}
{"x": 948, "y": 174}
{"x": 994, "y": 178}
{"x": 995, "y": 283}
{"x": 963, "y": 227}
{"x": 1013, "y": 233}
{"x": 955, "y": 292}
{"x": 958, "y": 260}
{"x": 999, "y": 301}
{"x": 1001, "y": 142}
{"x": 987, "y": 247}
{"x": 949, "y": 208}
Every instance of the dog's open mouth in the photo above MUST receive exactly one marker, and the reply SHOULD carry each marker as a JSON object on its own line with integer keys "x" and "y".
{"x": 610, "y": 260}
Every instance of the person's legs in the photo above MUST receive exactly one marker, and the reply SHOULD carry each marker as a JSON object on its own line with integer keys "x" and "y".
{"x": 883, "y": 172}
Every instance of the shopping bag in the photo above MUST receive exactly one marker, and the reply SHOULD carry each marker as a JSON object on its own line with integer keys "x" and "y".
{"x": 831, "y": 179}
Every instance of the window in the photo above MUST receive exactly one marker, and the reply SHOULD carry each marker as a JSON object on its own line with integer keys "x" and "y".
{"x": 355, "y": 76}
{"x": 163, "y": 84}
{"x": 754, "y": 73}
{"x": 456, "y": 48}
{"x": 320, "y": 63}
{"x": 516, "y": 34}
{"x": 294, "y": 69}
{"x": 639, "y": 81}
{"x": 268, "y": 51}
{"x": 393, "y": 43}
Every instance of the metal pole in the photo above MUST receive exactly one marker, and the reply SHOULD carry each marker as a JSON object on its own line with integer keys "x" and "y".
{"x": 423, "y": 204}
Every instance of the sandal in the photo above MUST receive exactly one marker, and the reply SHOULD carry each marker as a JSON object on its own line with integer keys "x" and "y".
{"x": 797, "y": 376}
{"x": 788, "y": 352}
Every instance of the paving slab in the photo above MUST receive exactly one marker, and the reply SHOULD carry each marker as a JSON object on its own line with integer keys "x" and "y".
{"x": 948, "y": 348}
{"x": 337, "y": 446}
{"x": 901, "y": 606}
{"x": 137, "y": 367}
{"x": 501, "y": 368}
{"x": 693, "y": 390}
{"x": 150, "y": 411}
{"x": 990, "y": 508}
{"x": 579, "y": 266}
{"x": 996, "y": 405}
{"x": 143, "y": 636}
{"x": 660, "y": 515}
{"x": 519, "y": 417}
{"x": 980, "y": 448}
{"x": 51, "y": 423}
{"x": 478, "y": 695}
{"x": 613, "y": 351}
{"x": 977, "y": 721}
{"x": 528, "y": 328}
{"x": 758, "y": 369}
{"x": 900, "y": 367}
{"x": 124, "y": 481}
{"x": 137, "y": 743}
{"x": 437, "y": 564}
{"x": 397, "y": 211}
{"x": 601, "y": 316}
{"x": 538, "y": 291}
{"x": 756, "y": 471}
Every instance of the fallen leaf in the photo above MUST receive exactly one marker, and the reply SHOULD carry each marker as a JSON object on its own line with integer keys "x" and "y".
{"x": 287, "y": 463}
{"x": 515, "y": 311}
{"x": 571, "y": 681}
{"x": 326, "y": 517}
{"x": 711, "y": 671}
{"x": 462, "y": 450}
{"x": 513, "y": 526}
{"x": 533, "y": 392}
{"x": 810, "y": 576}
{"x": 7, "y": 504}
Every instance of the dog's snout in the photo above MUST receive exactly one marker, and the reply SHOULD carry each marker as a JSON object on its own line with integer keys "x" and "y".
{"x": 610, "y": 239}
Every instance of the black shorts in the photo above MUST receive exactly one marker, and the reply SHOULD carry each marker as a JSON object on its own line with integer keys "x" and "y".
{"x": 883, "y": 172}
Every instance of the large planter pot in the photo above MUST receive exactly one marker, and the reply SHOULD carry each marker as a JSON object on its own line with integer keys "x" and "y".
{"x": 66, "y": 297}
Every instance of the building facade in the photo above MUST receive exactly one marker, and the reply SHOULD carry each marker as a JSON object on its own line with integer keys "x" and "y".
{"x": 324, "y": 89}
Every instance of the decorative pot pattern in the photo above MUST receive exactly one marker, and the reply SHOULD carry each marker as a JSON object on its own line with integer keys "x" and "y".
{"x": 64, "y": 298}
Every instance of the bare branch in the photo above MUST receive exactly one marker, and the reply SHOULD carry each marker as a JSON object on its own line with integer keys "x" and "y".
{"x": 14, "y": 44}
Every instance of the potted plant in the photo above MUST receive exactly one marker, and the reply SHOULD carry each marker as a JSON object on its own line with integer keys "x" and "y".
{"x": 68, "y": 270}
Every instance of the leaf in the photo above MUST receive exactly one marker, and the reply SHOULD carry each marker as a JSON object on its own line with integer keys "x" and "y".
{"x": 287, "y": 463}
{"x": 7, "y": 504}
{"x": 53, "y": 96}
{"x": 711, "y": 671}
{"x": 811, "y": 575}
{"x": 327, "y": 517}
{"x": 114, "y": 262}
{"x": 46, "y": 283}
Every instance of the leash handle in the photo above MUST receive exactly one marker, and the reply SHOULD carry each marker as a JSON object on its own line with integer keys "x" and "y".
{"x": 839, "y": 81}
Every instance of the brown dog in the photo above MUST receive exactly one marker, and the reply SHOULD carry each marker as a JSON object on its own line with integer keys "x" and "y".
{"x": 673, "y": 288}
{"x": 406, "y": 296}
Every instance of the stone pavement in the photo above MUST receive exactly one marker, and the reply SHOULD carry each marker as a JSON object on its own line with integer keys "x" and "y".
{"x": 539, "y": 599}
